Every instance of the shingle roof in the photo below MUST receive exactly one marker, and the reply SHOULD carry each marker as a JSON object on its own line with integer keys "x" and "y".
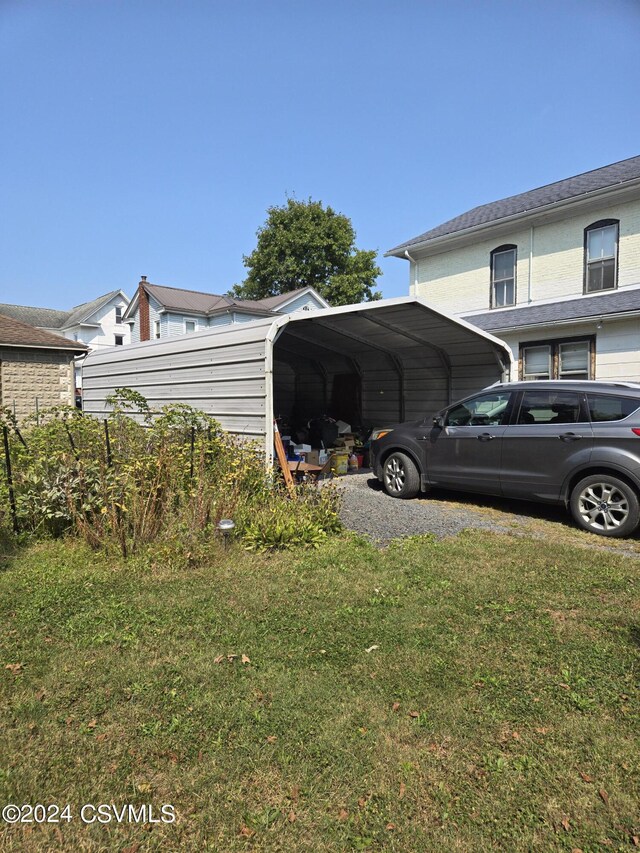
{"x": 86, "y": 309}
{"x": 587, "y": 182}
{"x": 208, "y": 303}
{"x": 272, "y": 302}
{"x": 585, "y": 307}
{"x": 15, "y": 333}
{"x": 49, "y": 317}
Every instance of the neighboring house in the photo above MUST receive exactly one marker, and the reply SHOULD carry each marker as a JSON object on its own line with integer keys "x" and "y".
{"x": 98, "y": 323}
{"x": 554, "y": 272}
{"x": 163, "y": 312}
{"x": 36, "y": 368}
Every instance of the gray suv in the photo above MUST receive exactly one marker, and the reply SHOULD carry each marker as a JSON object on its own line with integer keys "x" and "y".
{"x": 575, "y": 443}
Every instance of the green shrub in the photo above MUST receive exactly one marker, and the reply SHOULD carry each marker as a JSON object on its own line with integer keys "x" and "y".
{"x": 125, "y": 483}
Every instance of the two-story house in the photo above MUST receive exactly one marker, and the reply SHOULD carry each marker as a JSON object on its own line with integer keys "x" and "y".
{"x": 157, "y": 311}
{"x": 554, "y": 272}
{"x": 98, "y": 323}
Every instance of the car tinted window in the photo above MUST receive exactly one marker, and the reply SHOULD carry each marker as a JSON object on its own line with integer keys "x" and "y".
{"x": 484, "y": 410}
{"x": 549, "y": 407}
{"x": 607, "y": 407}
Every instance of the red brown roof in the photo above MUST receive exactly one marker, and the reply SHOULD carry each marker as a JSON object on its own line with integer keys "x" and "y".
{"x": 13, "y": 333}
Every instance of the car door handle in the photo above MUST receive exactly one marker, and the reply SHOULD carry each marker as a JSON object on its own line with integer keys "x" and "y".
{"x": 486, "y": 436}
{"x": 569, "y": 436}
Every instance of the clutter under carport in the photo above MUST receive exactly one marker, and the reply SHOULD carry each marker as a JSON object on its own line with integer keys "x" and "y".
{"x": 324, "y": 446}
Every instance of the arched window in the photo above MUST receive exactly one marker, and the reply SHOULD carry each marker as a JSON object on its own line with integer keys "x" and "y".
{"x": 601, "y": 255}
{"x": 503, "y": 276}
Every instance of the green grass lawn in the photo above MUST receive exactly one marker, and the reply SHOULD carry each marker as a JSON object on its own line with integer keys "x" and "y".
{"x": 473, "y": 694}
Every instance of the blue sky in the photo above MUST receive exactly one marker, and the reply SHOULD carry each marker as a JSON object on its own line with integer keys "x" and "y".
{"x": 149, "y": 137}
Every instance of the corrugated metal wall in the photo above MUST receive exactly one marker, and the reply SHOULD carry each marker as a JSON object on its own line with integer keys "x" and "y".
{"x": 222, "y": 374}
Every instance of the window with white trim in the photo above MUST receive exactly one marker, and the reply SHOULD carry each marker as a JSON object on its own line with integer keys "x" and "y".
{"x": 118, "y": 313}
{"x": 189, "y": 326}
{"x": 601, "y": 255}
{"x": 561, "y": 359}
{"x": 156, "y": 329}
{"x": 503, "y": 276}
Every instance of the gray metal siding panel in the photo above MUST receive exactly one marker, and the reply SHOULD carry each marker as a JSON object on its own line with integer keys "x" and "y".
{"x": 221, "y": 374}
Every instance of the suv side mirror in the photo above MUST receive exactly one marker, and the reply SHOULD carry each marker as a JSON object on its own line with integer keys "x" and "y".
{"x": 438, "y": 421}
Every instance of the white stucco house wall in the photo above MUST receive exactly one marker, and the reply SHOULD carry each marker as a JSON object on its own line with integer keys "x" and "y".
{"x": 98, "y": 324}
{"x": 554, "y": 272}
{"x": 157, "y": 311}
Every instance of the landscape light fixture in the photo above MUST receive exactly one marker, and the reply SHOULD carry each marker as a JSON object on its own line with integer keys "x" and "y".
{"x": 226, "y": 527}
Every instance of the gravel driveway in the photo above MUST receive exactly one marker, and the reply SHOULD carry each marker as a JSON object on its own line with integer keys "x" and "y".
{"x": 369, "y": 511}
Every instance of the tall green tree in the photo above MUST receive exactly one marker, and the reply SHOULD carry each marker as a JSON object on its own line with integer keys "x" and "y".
{"x": 303, "y": 243}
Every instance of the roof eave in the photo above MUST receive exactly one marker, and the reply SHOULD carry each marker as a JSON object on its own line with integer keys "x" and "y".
{"x": 72, "y": 349}
{"x": 570, "y": 321}
{"x": 526, "y": 215}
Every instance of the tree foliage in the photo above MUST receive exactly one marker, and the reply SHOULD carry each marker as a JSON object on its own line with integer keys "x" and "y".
{"x": 303, "y": 243}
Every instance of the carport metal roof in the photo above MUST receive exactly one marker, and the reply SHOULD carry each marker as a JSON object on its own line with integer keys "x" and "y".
{"x": 403, "y": 330}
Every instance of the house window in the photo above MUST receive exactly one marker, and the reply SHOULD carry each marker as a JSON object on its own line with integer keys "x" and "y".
{"x": 119, "y": 340}
{"x": 567, "y": 359}
{"x": 156, "y": 329}
{"x": 503, "y": 276}
{"x": 189, "y": 326}
{"x": 118, "y": 314}
{"x": 601, "y": 255}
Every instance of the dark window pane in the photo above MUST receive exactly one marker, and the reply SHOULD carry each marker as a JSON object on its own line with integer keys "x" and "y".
{"x": 607, "y": 408}
{"x": 551, "y": 407}
{"x": 608, "y": 274}
{"x": 504, "y": 293}
{"x": 480, "y": 411}
{"x": 601, "y": 275}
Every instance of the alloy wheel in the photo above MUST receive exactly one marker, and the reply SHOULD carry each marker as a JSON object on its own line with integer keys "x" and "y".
{"x": 603, "y": 506}
{"x": 395, "y": 475}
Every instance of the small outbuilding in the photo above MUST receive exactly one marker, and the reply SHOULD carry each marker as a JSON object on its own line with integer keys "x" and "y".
{"x": 370, "y": 364}
{"x": 36, "y": 368}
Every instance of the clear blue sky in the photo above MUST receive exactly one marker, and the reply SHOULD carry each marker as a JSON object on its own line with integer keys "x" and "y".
{"x": 149, "y": 137}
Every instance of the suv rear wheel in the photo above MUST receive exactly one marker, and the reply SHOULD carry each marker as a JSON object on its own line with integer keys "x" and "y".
{"x": 605, "y": 505}
{"x": 400, "y": 476}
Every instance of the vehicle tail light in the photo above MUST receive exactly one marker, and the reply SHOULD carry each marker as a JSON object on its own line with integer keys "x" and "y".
{"x": 635, "y": 430}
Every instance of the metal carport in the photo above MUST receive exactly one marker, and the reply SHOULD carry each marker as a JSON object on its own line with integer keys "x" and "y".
{"x": 409, "y": 359}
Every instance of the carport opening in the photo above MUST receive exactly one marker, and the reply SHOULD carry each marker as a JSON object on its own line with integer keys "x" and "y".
{"x": 375, "y": 367}
{"x": 330, "y": 372}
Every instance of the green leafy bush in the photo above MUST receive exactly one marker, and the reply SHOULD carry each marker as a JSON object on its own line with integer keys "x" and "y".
{"x": 140, "y": 476}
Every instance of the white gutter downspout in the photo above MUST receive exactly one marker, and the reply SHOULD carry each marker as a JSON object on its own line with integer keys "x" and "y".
{"x": 413, "y": 286}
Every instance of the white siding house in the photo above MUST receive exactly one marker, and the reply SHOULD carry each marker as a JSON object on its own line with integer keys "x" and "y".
{"x": 157, "y": 312}
{"x": 98, "y": 324}
{"x": 555, "y": 272}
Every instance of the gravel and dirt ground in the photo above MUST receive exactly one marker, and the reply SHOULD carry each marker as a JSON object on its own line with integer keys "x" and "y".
{"x": 369, "y": 511}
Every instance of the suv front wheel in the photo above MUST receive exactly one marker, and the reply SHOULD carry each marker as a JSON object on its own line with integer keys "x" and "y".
{"x": 605, "y": 505}
{"x": 400, "y": 476}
